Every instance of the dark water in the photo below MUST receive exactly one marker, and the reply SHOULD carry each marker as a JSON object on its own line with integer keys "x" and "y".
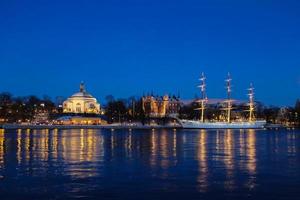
{"x": 160, "y": 164}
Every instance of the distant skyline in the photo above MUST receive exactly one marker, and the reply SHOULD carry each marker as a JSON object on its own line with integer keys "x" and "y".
{"x": 126, "y": 48}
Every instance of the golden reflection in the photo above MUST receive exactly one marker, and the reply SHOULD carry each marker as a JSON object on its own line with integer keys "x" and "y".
{"x": 2, "y": 139}
{"x": 40, "y": 144}
{"x": 164, "y": 144}
{"x": 251, "y": 151}
{"x": 202, "y": 160}
{"x": 54, "y": 144}
{"x": 78, "y": 147}
{"x": 164, "y": 149}
{"x": 153, "y": 148}
{"x": 19, "y": 146}
{"x": 45, "y": 145}
{"x": 91, "y": 145}
{"x": 219, "y": 146}
{"x": 251, "y": 157}
{"x": 128, "y": 145}
{"x": 242, "y": 146}
{"x": 70, "y": 146}
{"x": 81, "y": 147}
{"x": 229, "y": 158}
{"x": 174, "y": 143}
{"x": 228, "y": 150}
{"x": 218, "y": 141}
{"x": 27, "y": 145}
{"x": 112, "y": 143}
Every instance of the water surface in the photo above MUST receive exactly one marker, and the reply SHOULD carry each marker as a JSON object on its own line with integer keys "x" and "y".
{"x": 146, "y": 164}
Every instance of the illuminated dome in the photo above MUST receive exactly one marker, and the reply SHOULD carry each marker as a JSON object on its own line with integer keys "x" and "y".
{"x": 81, "y": 102}
{"x": 82, "y": 94}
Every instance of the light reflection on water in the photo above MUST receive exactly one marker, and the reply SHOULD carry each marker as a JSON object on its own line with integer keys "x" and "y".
{"x": 157, "y": 162}
{"x": 1, "y": 149}
{"x": 202, "y": 159}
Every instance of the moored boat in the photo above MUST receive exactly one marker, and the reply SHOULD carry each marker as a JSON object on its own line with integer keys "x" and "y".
{"x": 194, "y": 124}
{"x": 251, "y": 123}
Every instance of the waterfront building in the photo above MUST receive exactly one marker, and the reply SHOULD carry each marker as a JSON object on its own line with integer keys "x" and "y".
{"x": 80, "y": 120}
{"x": 41, "y": 117}
{"x": 160, "y": 106}
{"x": 81, "y": 102}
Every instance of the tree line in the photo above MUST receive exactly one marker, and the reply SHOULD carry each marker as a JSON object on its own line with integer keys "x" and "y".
{"x": 23, "y": 109}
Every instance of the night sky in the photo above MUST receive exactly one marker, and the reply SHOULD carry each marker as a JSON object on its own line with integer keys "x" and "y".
{"x": 127, "y": 48}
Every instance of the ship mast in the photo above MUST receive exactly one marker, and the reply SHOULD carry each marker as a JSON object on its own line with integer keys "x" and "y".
{"x": 203, "y": 100}
{"x": 229, "y": 100}
{"x": 251, "y": 103}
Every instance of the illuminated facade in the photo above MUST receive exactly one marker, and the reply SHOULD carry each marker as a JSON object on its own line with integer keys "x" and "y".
{"x": 160, "y": 106}
{"x": 81, "y": 102}
{"x": 78, "y": 120}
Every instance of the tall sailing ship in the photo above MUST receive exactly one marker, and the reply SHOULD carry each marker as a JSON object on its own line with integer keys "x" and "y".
{"x": 251, "y": 123}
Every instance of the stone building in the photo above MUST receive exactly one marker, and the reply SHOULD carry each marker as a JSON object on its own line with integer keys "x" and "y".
{"x": 160, "y": 106}
{"x": 81, "y": 102}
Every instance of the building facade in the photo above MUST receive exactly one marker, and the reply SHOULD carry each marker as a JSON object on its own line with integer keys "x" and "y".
{"x": 160, "y": 106}
{"x": 78, "y": 120}
{"x": 81, "y": 102}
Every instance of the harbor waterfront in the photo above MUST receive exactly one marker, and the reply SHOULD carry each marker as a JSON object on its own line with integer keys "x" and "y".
{"x": 150, "y": 100}
{"x": 82, "y": 110}
{"x": 133, "y": 126}
{"x": 149, "y": 164}
{"x": 108, "y": 126}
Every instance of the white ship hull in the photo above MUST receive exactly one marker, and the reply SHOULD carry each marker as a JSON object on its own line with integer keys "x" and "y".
{"x": 192, "y": 124}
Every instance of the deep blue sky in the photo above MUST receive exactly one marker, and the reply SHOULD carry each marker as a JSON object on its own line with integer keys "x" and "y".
{"x": 126, "y": 48}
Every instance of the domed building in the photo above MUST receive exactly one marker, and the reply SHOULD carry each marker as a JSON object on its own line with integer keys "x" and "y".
{"x": 81, "y": 102}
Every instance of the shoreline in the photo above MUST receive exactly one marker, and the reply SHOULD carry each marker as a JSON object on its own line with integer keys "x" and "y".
{"x": 114, "y": 126}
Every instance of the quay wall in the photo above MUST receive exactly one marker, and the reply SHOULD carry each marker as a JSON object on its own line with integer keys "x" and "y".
{"x": 110, "y": 126}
